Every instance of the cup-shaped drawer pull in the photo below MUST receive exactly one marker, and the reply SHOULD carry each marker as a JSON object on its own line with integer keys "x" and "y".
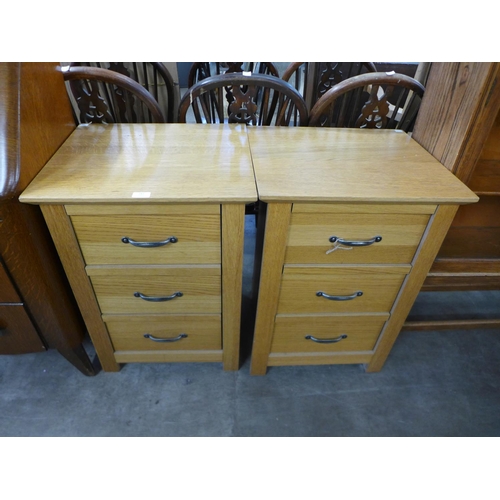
{"x": 354, "y": 243}
{"x": 339, "y": 297}
{"x": 171, "y": 339}
{"x": 326, "y": 341}
{"x": 158, "y": 299}
{"x": 149, "y": 244}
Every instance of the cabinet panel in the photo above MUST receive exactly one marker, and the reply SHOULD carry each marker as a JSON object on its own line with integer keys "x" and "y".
{"x": 17, "y": 333}
{"x": 7, "y": 291}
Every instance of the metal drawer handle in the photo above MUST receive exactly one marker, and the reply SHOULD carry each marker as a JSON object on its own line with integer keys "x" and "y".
{"x": 172, "y": 339}
{"x": 150, "y": 244}
{"x": 350, "y": 243}
{"x": 326, "y": 341}
{"x": 158, "y": 299}
{"x": 339, "y": 297}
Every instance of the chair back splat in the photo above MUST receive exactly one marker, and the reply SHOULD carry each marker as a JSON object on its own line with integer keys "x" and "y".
{"x": 254, "y": 99}
{"x": 101, "y": 95}
{"x": 372, "y": 100}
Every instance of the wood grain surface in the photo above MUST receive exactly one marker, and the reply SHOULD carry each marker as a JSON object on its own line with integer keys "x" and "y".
{"x": 349, "y": 165}
{"x": 170, "y": 163}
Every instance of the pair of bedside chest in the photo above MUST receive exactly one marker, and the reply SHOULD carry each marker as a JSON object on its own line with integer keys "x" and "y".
{"x": 148, "y": 220}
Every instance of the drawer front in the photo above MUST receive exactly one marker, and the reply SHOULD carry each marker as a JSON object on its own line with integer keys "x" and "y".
{"x": 17, "y": 333}
{"x": 356, "y": 289}
{"x": 349, "y": 333}
{"x": 183, "y": 332}
{"x": 309, "y": 238}
{"x": 7, "y": 291}
{"x": 135, "y": 290}
{"x": 197, "y": 239}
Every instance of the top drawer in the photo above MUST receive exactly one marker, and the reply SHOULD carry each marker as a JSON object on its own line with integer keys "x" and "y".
{"x": 376, "y": 238}
{"x": 149, "y": 238}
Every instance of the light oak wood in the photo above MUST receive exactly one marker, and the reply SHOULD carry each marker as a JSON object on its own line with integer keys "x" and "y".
{"x": 100, "y": 238}
{"x": 115, "y": 289}
{"x": 363, "y": 182}
{"x": 314, "y": 164}
{"x": 379, "y": 289}
{"x": 357, "y": 208}
{"x": 66, "y": 243}
{"x": 308, "y": 241}
{"x": 275, "y": 237}
{"x": 435, "y": 233}
{"x": 142, "y": 209}
{"x": 362, "y": 333}
{"x": 127, "y": 332}
{"x": 168, "y": 356}
{"x": 233, "y": 230}
{"x": 166, "y": 163}
{"x": 307, "y": 358}
{"x": 148, "y": 183}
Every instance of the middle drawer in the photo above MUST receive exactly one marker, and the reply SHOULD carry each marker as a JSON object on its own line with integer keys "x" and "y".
{"x": 150, "y": 289}
{"x": 335, "y": 289}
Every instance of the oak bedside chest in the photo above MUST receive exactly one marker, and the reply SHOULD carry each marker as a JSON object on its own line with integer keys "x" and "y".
{"x": 148, "y": 220}
{"x": 354, "y": 219}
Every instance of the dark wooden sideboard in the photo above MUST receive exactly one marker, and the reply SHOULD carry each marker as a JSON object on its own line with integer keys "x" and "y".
{"x": 37, "y": 308}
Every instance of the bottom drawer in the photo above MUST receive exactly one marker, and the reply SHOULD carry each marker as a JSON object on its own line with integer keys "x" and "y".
{"x": 352, "y": 333}
{"x": 184, "y": 332}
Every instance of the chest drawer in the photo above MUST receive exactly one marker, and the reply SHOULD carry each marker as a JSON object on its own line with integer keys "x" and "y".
{"x": 326, "y": 333}
{"x": 339, "y": 289}
{"x": 156, "y": 290}
{"x": 149, "y": 239}
{"x": 378, "y": 238}
{"x": 173, "y": 332}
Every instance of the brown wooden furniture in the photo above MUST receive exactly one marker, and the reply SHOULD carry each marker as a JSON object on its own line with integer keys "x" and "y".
{"x": 354, "y": 221}
{"x": 105, "y": 96}
{"x": 148, "y": 220}
{"x": 153, "y": 76}
{"x": 459, "y": 124}
{"x": 201, "y": 70}
{"x": 313, "y": 79}
{"x": 37, "y": 308}
{"x": 249, "y": 99}
{"x": 363, "y": 102}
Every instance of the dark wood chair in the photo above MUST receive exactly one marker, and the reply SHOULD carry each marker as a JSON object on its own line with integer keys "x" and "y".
{"x": 373, "y": 100}
{"x": 313, "y": 79}
{"x": 153, "y": 76}
{"x": 254, "y": 99}
{"x": 201, "y": 70}
{"x": 104, "y": 96}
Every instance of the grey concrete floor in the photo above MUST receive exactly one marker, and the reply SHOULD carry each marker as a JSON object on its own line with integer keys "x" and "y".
{"x": 442, "y": 383}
